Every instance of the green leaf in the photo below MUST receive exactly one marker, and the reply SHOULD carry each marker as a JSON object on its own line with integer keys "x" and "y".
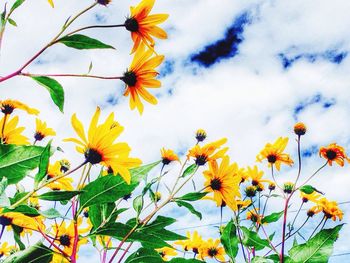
{"x": 58, "y": 195}
{"x": 189, "y": 207}
{"x": 12, "y": 22}
{"x": 24, "y": 209}
{"x": 274, "y": 217}
{"x": 110, "y": 188}
{"x": 17, "y": 236}
{"x": 37, "y": 253}
{"x": 79, "y": 41}
{"x": 157, "y": 228}
{"x": 159, "y": 223}
{"x": 16, "y": 4}
{"x": 18, "y": 196}
{"x": 307, "y": 189}
{"x": 190, "y": 170}
{"x": 252, "y": 239}
{"x": 43, "y": 164}
{"x": 229, "y": 240}
{"x": 258, "y": 259}
{"x": 55, "y": 89}
{"x": 119, "y": 231}
{"x": 51, "y": 213}
{"x": 144, "y": 255}
{"x": 192, "y": 196}
{"x": 4, "y": 200}
{"x": 318, "y": 249}
{"x": 17, "y": 161}
{"x": 138, "y": 204}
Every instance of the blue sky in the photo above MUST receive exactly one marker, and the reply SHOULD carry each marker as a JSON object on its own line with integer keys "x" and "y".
{"x": 246, "y": 70}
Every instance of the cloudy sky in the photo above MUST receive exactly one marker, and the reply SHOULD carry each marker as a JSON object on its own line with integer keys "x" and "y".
{"x": 246, "y": 70}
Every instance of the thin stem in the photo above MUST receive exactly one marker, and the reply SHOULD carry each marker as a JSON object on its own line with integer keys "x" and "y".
{"x": 274, "y": 179}
{"x": 125, "y": 251}
{"x": 2, "y": 231}
{"x": 299, "y": 163}
{"x": 267, "y": 199}
{"x": 159, "y": 177}
{"x": 291, "y": 228}
{"x": 284, "y": 228}
{"x": 319, "y": 169}
{"x": 76, "y": 233}
{"x": 70, "y": 75}
{"x": 240, "y": 237}
{"x": 94, "y": 26}
{"x": 313, "y": 232}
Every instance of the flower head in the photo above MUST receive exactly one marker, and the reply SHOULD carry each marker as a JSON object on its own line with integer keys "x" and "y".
{"x": 212, "y": 249}
{"x": 208, "y": 152}
{"x": 168, "y": 156}
{"x": 141, "y": 75}
{"x": 253, "y": 216}
{"x": 299, "y": 128}
{"x": 223, "y": 181}
{"x": 274, "y": 153}
{"x": 11, "y": 134}
{"x": 5, "y": 249}
{"x": 288, "y": 187}
{"x": 21, "y": 220}
{"x": 201, "y": 135}
{"x": 42, "y": 130}
{"x": 330, "y": 209}
{"x": 104, "y": 2}
{"x": 143, "y": 26}
{"x": 256, "y": 176}
{"x": 334, "y": 153}
{"x": 100, "y": 147}
{"x": 63, "y": 183}
{"x": 313, "y": 197}
{"x": 193, "y": 242}
{"x": 250, "y": 191}
{"x": 166, "y": 252}
{"x": 8, "y": 106}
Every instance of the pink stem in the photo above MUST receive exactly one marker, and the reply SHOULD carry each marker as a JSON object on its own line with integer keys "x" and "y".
{"x": 284, "y": 228}
{"x": 76, "y": 234}
{"x": 68, "y": 75}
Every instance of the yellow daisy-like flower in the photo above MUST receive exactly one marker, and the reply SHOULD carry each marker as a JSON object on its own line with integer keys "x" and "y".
{"x": 330, "y": 209}
{"x": 64, "y": 235}
{"x": 243, "y": 204}
{"x": 193, "y": 242}
{"x": 224, "y": 182}
{"x": 256, "y": 176}
{"x": 8, "y": 106}
{"x": 274, "y": 153}
{"x": 334, "y": 153}
{"x": 58, "y": 258}
{"x": 5, "y": 249}
{"x": 51, "y": 3}
{"x": 64, "y": 183}
{"x": 168, "y": 156}
{"x": 8, "y": 219}
{"x": 166, "y": 252}
{"x": 208, "y": 152}
{"x": 141, "y": 75}
{"x": 313, "y": 197}
{"x": 42, "y": 130}
{"x": 99, "y": 145}
{"x": 10, "y": 133}
{"x": 299, "y": 129}
{"x": 212, "y": 249}
{"x": 253, "y": 216}
{"x": 143, "y": 26}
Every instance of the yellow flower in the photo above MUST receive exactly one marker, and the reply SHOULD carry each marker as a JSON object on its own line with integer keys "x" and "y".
{"x": 201, "y": 135}
{"x": 299, "y": 128}
{"x": 8, "y": 106}
{"x": 330, "y": 209}
{"x": 100, "y": 147}
{"x": 274, "y": 153}
{"x": 288, "y": 187}
{"x": 224, "y": 182}
{"x": 141, "y": 75}
{"x": 207, "y": 153}
{"x": 334, "y": 153}
{"x": 64, "y": 235}
{"x": 256, "y": 176}
{"x": 58, "y": 258}
{"x": 42, "y": 130}
{"x": 11, "y": 134}
{"x": 193, "y": 242}
{"x": 143, "y": 26}
{"x": 166, "y": 252}
{"x": 313, "y": 197}
{"x": 64, "y": 183}
{"x": 26, "y": 222}
{"x": 168, "y": 156}
{"x": 51, "y": 3}
{"x": 253, "y": 216}
{"x": 243, "y": 204}
{"x": 5, "y": 249}
{"x": 212, "y": 249}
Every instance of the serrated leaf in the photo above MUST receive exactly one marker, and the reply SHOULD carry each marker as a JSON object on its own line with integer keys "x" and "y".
{"x": 189, "y": 207}
{"x": 229, "y": 240}
{"x": 37, "y": 253}
{"x": 58, "y": 195}
{"x": 79, "y": 41}
{"x": 274, "y": 217}
{"x": 192, "y": 196}
{"x": 190, "y": 170}
{"x": 144, "y": 255}
{"x": 252, "y": 239}
{"x": 17, "y": 161}
{"x": 318, "y": 249}
{"x": 55, "y": 89}
{"x": 43, "y": 164}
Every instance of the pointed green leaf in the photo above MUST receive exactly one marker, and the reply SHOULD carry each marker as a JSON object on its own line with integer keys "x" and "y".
{"x": 58, "y": 195}
{"x": 274, "y": 217}
{"x": 192, "y": 196}
{"x": 252, "y": 239}
{"x": 16, "y": 5}
{"x": 55, "y": 89}
{"x": 4, "y": 200}
{"x": 43, "y": 164}
{"x": 190, "y": 170}
{"x": 189, "y": 207}
{"x": 144, "y": 255}
{"x": 12, "y": 22}
{"x": 138, "y": 204}
{"x": 229, "y": 240}
{"x": 79, "y": 41}
{"x": 37, "y": 253}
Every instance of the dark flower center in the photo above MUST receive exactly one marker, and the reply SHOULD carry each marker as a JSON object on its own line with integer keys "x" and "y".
{"x": 7, "y": 109}
{"x": 86, "y": 214}
{"x": 200, "y": 137}
{"x": 38, "y": 136}
{"x": 195, "y": 250}
{"x": 65, "y": 240}
{"x": 215, "y": 184}
{"x": 166, "y": 161}
{"x": 104, "y": 2}
{"x": 162, "y": 254}
{"x": 212, "y": 252}
{"x": 126, "y": 197}
{"x": 201, "y": 159}
{"x": 5, "y": 221}
{"x": 129, "y": 78}
{"x": 92, "y": 156}
{"x": 255, "y": 182}
{"x": 331, "y": 155}
{"x": 271, "y": 158}
{"x": 131, "y": 24}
